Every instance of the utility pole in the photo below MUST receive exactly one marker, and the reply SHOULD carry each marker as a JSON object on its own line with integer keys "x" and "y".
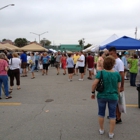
{"x": 39, "y": 34}
{"x": 136, "y": 33}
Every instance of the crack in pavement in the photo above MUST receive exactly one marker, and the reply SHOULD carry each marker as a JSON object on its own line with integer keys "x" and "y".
{"x": 40, "y": 111}
{"x": 60, "y": 134}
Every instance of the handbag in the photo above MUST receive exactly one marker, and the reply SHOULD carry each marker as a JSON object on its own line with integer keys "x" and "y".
{"x": 100, "y": 85}
{"x": 9, "y": 72}
{"x": 77, "y": 65}
{"x": 121, "y": 103}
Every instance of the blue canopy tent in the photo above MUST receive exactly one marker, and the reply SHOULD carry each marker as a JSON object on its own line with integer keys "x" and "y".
{"x": 123, "y": 43}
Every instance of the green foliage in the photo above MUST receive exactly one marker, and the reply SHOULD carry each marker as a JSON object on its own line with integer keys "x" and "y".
{"x": 81, "y": 43}
{"x": 45, "y": 42}
{"x": 20, "y": 42}
{"x": 88, "y": 45}
{"x": 4, "y": 40}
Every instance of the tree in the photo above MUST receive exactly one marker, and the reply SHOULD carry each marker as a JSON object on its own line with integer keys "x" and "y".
{"x": 81, "y": 43}
{"x": 45, "y": 42}
{"x": 4, "y": 40}
{"x": 20, "y": 42}
{"x": 88, "y": 45}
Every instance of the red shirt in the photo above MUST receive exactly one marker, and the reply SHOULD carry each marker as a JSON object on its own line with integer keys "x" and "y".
{"x": 90, "y": 61}
{"x": 3, "y": 64}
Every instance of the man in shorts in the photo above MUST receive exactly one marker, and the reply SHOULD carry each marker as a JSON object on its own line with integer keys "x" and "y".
{"x": 90, "y": 64}
{"x": 23, "y": 58}
{"x": 81, "y": 64}
{"x": 119, "y": 67}
{"x": 75, "y": 58}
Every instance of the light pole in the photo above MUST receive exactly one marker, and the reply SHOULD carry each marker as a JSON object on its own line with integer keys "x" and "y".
{"x": 7, "y": 6}
{"x": 39, "y": 34}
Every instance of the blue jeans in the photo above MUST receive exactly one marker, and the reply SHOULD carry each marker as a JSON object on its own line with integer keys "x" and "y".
{"x": 133, "y": 79}
{"x": 112, "y": 104}
{"x": 4, "y": 81}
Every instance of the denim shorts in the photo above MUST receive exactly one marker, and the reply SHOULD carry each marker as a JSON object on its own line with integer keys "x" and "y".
{"x": 32, "y": 68}
{"x": 112, "y": 104}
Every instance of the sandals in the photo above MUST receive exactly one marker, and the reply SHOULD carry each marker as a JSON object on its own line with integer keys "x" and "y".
{"x": 10, "y": 91}
{"x": 32, "y": 77}
{"x": 18, "y": 88}
{"x": 8, "y": 97}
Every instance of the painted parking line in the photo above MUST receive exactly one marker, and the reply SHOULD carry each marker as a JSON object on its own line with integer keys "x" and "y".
{"x": 9, "y": 104}
{"x": 131, "y": 105}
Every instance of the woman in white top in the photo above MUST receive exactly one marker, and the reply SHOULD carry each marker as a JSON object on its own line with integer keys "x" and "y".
{"x": 14, "y": 66}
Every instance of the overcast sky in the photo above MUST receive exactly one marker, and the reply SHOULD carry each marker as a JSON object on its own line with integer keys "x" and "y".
{"x": 67, "y": 21}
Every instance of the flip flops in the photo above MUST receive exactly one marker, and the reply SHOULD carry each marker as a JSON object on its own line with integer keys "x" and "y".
{"x": 8, "y": 97}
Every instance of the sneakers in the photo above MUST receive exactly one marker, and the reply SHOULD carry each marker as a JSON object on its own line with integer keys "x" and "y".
{"x": 81, "y": 79}
{"x": 70, "y": 80}
{"x": 118, "y": 121}
{"x": 111, "y": 135}
{"x": 101, "y": 132}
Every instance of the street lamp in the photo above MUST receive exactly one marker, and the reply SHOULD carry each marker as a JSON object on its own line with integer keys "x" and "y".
{"x": 7, "y": 6}
{"x": 39, "y": 34}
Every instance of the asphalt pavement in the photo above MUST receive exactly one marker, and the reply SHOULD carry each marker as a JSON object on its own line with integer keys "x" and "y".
{"x": 50, "y": 107}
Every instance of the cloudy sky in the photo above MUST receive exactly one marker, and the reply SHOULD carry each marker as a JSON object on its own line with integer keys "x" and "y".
{"x": 67, "y": 21}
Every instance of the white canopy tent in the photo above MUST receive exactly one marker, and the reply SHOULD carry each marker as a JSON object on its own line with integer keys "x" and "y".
{"x": 110, "y": 39}
{"x": 54, "y": 51}
{"x": 88, "y": 49}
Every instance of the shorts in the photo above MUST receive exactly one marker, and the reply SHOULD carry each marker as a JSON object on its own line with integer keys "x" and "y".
{"x": 23, "y": 65}
{"x": 81, "y": 69}
{"x": 112, "y": 104}
{"x": 57, "y": 64}
{"x": 33, "y": 68}
{"x": 90, "y": 69}
{"x": 45, "y": 66}
{"x": 70, "y": 70}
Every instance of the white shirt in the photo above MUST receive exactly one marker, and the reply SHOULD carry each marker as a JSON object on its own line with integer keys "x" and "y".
{"x": 28, "y": 58}
{"x": 15, "y": 64}
{"x": 119, "y": 66}
{"x": 81, "y": 64}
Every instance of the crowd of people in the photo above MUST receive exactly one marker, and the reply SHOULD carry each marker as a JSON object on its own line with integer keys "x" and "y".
{"x": 114, "y": 69}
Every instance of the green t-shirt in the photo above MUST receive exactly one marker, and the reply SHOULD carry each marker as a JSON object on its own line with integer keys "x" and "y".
{"x": 133, "y": 65}
{"x": 110, "y": 81}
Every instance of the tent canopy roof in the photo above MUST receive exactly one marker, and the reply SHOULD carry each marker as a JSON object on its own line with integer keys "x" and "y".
{"x": 108, "y": 40}
{"x": 10, "y": 46}
{"x": 33, "y": 47}
{"x": 4, "y": 47}
{"x": 123, "y": 43}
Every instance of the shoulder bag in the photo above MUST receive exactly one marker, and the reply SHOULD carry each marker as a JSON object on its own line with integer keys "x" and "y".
{"x": 9, "y": 72}
{"x": 100, "y": 85}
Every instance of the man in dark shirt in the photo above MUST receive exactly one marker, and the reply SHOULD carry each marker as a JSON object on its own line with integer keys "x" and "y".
{"x": 90, "y": 64}
{"x": 23, "y": 58}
